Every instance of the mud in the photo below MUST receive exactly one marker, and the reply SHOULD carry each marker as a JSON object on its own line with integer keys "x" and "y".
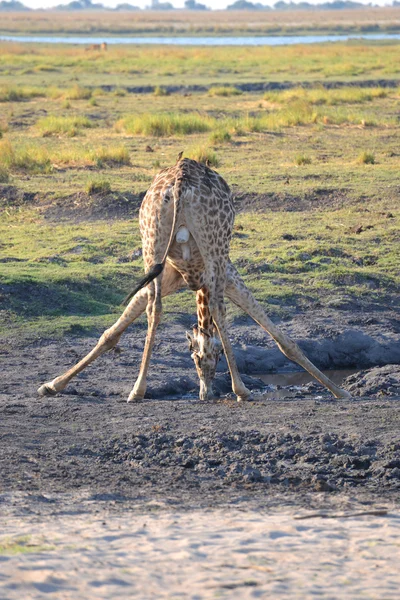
{"x": 87, "y": 446}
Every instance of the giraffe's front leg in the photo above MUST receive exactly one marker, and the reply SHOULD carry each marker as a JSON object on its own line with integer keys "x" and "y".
{"x": 237, "y": 291}
{"x": 218, "y": 311}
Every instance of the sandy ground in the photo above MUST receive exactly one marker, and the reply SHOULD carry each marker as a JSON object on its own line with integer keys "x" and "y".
{"x": 204, "y": 554}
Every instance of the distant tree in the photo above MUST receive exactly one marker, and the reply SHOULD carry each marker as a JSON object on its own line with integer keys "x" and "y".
{"x": 334, "y": 5}
{"x": 245, "y": 5}
{"x": 193, "y": 5}
{"x": 156, "y": 5}
{"x": 125, "y": 6}
{"x": 13, "y": 6}
{"x": 80, "y": 5}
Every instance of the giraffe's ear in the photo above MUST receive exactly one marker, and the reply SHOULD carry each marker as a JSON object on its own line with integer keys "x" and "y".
{"x": 190, "y": 340}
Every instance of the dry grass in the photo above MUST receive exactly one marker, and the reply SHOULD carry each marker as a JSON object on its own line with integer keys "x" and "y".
{"x": 272, "y": 22}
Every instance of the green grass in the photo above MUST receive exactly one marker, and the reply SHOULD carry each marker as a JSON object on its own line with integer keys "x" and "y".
{"x": 162, "y": 125}
{"x": 298, "y": 249}
{"x": 28, "y": 157}
{"x": 98, "y": 185}
{"x": 15, "y": 93}
{"x": 34, "y": 157}
{"x": 69, "y": 126}
{"x": 75, "y": 275}
{"x": 330, "y": 97}
{"x": 214, "y": 66}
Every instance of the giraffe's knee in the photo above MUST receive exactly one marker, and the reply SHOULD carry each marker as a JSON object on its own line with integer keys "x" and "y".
{"x": 109, "y": 339}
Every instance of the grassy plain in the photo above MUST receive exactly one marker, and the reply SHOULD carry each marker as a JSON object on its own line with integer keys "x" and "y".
{"x": 315, "y": 169}
{"x": 199, "y": 23}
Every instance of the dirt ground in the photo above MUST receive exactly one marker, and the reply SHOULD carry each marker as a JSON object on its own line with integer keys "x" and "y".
{"x": 87, "y": 444}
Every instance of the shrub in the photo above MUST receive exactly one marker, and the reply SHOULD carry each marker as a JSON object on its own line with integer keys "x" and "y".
{"x": 111, "y": 156}
{"x": 4, "y": 175}
{"x": 204, "y": 155}
{"x": 220, "y": 136}
{"x": 367, "y": 158}
{"x": 160, "y": 91}
{"x": 224, "y": 91}
{"x": 19, "y": 94}
{"x": 98, "y": 186}
{"x": 78, "y": 93}
{"x": 301, "y": 159}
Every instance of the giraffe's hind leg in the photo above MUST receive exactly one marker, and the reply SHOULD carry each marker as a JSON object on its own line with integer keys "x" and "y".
{"x": 237, "y": 291}
{"x": 154, "y": 309}
{"x": 171, "y": 282}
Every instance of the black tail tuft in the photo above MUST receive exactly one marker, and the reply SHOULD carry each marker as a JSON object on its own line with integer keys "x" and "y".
{"x": 148, "y": 278}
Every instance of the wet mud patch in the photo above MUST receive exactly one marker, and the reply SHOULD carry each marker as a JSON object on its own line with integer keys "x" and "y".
{"x": 380, "y": 381}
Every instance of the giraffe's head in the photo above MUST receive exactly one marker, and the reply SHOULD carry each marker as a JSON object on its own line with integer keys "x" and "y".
{"x": 206, "y": 351}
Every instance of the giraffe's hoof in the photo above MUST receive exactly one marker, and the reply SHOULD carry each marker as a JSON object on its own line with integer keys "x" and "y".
{"x": 245, "y": 396}
{"x": 343, "y": 394}
{"x": 46, "y": 390}
{"x": 133, "y": 397}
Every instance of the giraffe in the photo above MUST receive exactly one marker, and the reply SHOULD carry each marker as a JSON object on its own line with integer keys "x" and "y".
{"x": 186, "y": 222}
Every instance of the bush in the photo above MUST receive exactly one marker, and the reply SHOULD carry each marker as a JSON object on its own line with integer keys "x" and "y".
{"x": 160, "y": 91}
{"x": 4, "y": 175}
{"x": 301, "y": 159}
{"x": 78, "y": 93}
{"x": 98, "y": 186}
{"x": 112, "y": 156}
{"x": 19, "y": 94}
{"x": 204, "y": 155}
{"x": 367, "y": 158}
{"x": 220, "y": 136}
{"x": 224, "y": 91}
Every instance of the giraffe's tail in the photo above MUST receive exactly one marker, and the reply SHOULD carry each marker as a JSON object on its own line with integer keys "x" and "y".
{"x": 158, "y": 268}
{"x": 148, "y": 278}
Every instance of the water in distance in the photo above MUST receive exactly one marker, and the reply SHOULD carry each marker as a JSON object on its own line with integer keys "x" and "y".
{"x": 200, "y": 41}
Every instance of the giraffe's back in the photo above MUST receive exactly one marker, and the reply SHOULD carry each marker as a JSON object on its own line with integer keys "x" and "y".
{"x": 205, "y": 210}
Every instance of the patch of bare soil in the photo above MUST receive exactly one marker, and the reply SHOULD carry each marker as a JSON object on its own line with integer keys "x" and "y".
{"x": 81, "y": 206}
{"x": 318, "y": 199}
{"x": 87, "y": 443}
